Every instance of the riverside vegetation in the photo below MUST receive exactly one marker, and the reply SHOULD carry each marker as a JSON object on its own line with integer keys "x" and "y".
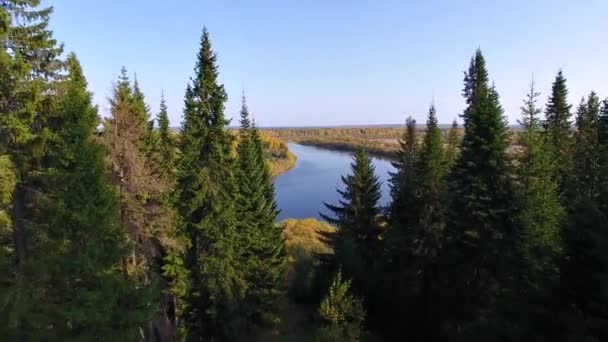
{"x": 130, "y": 234}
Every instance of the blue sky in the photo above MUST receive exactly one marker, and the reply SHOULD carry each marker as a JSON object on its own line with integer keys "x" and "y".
{"x": 319, "y": 62}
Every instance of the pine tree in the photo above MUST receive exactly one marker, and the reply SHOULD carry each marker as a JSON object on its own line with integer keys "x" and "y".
{"x": 584, "y": 269}
{"x": 357, "y": 220}
{"x": 206, "y": 187}
{"x": 559, "y": 129}
{"x": 480, "y": 235}
{"x": 30, "y": 67}
{"x": 263, "y": 252}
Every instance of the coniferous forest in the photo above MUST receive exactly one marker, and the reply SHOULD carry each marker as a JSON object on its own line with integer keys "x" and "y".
{"x": 117, "y": 228}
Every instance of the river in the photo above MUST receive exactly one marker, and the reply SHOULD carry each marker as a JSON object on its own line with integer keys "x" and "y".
{"x": 301, "y": 191}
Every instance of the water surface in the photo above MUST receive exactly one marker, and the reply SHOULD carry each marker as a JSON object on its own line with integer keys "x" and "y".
{"x": 301, "y": 191}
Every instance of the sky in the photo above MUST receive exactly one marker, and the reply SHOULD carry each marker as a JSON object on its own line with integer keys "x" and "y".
{"x": 319, "y": 62}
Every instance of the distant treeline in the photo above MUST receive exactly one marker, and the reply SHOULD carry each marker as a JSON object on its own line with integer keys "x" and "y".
{"x": 363, "y": 132}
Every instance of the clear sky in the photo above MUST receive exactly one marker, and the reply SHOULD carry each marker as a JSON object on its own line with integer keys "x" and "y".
{"x": 320, "y": 62}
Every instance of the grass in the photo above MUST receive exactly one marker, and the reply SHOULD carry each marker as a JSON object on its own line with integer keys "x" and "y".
{"x": 304, "y": 235}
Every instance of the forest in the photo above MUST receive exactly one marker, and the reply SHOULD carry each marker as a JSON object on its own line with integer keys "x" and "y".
{"x": 117, "y": 228}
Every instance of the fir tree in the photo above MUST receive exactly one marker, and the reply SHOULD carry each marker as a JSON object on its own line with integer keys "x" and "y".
{"x": 558, "y": 126}
{"x": 357, "y": 220}
{"x": 480, "y": 235}
{"x": 206, "y": 187}
{"x": 263, "y": 252}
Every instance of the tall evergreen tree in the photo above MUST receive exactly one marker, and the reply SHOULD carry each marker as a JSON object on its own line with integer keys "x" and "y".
{"x": 263, "y": 252}
{"x": 142, "y": 110}
{"x": 80, "y": 245}
{"x": 480, "y": 235}
{"x": 558, "y": 126}
{"x": 541, "y": 219}
{"x": 165, "y": 144}
{"x": 206, "y": 188}
{"x": 148, "y": 219}
{"x": 357, "y": 220}
{"x": 584, "y": 271}
{"x": 30, "y": 66}
{"x": 401, "y": 180}
{"x": 426, "y": 231}
{"x": 542, "y": 214}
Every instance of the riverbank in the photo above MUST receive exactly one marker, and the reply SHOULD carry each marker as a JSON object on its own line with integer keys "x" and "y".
{"x": 381, "y": 141}
{"x": 279, "y": 156}
{"x": 381, "y": 148}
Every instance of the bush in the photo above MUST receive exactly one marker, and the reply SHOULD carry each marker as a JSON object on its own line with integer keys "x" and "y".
{"x": 341, "y": 312}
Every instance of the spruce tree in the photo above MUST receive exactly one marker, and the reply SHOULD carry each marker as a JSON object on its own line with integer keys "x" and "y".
{"x": 357, "y": 219}
{"x": 584, "y": 268}
{"x": 263, "y": 253}
{"x": 426, "y": 231}
{"x": 145, "y": 210}
{"x": 558, "y": 126}
{"x": 80, "y": 245}
{"x": 401, "y": 181}
{"x": 142, "y": 110}
{"x": 541, "y": 219}
{"x": 165, "y": 144}
{"x": 30, "y": 67}
{"x": 542, "y": 214}
{"x": 207, "y": 188}
{"x": 480, "y": 235}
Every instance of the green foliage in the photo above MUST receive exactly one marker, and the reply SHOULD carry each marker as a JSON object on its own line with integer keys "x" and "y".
{"x": 480, "y": 235}
{"x": 401, "y": 181}
{"x": 206, "y": 188}
{"x": 263, "y": 254}
{"x": 357, "y": 220}
{"x": 75, "y": 255}
{"x": 584, "y": 272}
{"x": 529, "y": 308}
{"x": 304, "y": 240}
{"x": 8, "y": 181}
{"x": 558, "y": 126}
{"x": 165, "y": 148}
{"x": 541, "y": 213}
{"x": 341, "y": 312}
{"x": 30, "y": 67}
